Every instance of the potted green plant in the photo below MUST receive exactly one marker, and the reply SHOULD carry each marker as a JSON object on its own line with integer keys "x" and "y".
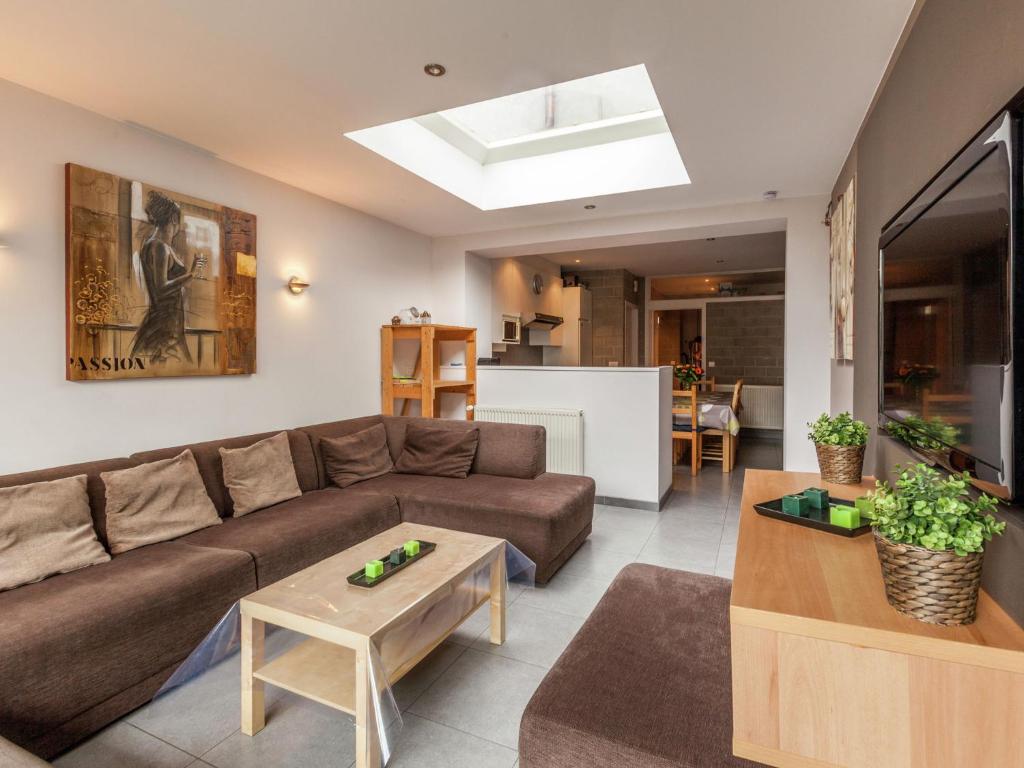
{"x": 930, "y": 534}
{"x": 839, "y": 442}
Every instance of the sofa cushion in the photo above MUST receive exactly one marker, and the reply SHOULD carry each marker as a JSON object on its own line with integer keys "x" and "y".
{"x": 317, "y": 432}
{"x": 359, "y": 456}
{"x": 212, "y": 469}
{"x": 540, "y": 517}
{"x": 646, "y": 681}
{"x": 155, "y": 502}
{"x": 260, "y": 475}
{"x": 97, "y": 491}
{"x": 46, "y": 528}
{"x": 428, "y": 450}
{"x": 506, "y": 450}
{"x": 75, "y": 640}
{"x": 295, "y": 534}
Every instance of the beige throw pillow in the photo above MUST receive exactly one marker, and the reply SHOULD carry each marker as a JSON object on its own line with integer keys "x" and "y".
{"x": 260, "y": 475}
{"x": 158, "y": 501}
{"x": 46, "y": 528}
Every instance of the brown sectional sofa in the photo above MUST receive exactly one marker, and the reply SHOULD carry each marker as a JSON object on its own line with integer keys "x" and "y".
{"x": 79, "y": 650}
{"x": 645, "y": 682}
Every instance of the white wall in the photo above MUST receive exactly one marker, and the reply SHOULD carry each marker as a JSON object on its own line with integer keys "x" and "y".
{"x": 808, "y": 374}
{"x": 318, "y": 354}
{"x": 627, "y": 441}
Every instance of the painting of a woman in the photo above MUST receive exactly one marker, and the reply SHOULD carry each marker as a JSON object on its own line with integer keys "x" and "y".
{"x": 161, "y": 335}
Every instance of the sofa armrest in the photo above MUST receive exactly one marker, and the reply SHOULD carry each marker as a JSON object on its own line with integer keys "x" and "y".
{"x": 13, "y": 756}
{"x": 506, "y": 450}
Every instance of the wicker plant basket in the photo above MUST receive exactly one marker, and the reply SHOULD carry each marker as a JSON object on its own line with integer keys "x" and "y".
{"x": 841, "y": 464}
{"x": 936, "y": 587}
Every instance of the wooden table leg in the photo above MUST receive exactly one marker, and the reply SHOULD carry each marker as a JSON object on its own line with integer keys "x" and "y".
{"x": 499, "y": 601}
{"x": 726, "y": 451}
{"x": 253, "y": 708}
{"x": 367, "y": 738}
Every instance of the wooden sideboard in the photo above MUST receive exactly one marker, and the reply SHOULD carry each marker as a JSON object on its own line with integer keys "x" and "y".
{"x": 826, "y": 673}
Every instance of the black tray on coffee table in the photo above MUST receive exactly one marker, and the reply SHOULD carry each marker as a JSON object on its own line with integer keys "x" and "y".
{"x": 818, "y": 519}
{"x": 359, "y": 579}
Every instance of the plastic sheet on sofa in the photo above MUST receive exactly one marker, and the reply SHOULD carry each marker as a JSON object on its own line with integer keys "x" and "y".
{"x": 392, "y": 652}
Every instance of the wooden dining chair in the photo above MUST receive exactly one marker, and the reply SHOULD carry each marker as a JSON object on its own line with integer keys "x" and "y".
{"x": 689, "y": 432}
{"x": 707, "y": 384}
{"x": 725, "y": 447}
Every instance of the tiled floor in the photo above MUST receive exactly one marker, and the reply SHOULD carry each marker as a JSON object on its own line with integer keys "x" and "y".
{"x": 462, "y": 705}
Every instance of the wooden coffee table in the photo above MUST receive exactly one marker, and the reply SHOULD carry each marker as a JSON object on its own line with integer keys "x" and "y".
{"x": 341, "y": 621}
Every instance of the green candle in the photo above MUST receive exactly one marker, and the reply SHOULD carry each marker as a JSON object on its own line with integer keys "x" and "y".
{"x": 412, "y": 548}
{"x": 796, "y": 504}
{"x": 818, "y": 497}
{"x": 866, "y": 507}
{"x": 374, "y": 568}
{"x": 847, "y": 517}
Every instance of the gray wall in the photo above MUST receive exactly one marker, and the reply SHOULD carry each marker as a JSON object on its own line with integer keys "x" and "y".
{"x": 745, "y": 340}
{"x": 610, "y": 290}
{"x": 961, "y": 62}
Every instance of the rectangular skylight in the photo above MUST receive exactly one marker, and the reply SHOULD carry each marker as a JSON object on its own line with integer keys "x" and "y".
{"x": 598, "y": 135}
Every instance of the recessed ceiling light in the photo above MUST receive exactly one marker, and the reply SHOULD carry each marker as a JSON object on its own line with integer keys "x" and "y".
{"x": 707, "y": 280}
{"x": 719, "y": 261}
{"x": 589, "y": 206}
{"x": 711, "y": 239}
{"x": 435, "y": 70}
{"x": 771, "y": 194}
{"x": 578, "y": 261}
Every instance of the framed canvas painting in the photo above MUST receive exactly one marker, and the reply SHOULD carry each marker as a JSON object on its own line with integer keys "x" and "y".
{"x": 158, "y": 283}
{"x": 842, "y": 257}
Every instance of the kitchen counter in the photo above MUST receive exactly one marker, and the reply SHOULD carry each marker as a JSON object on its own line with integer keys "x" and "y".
{"x": 627, "y": 414}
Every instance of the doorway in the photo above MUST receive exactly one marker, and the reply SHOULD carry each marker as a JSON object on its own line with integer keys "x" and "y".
{"x": 679, "y": 336}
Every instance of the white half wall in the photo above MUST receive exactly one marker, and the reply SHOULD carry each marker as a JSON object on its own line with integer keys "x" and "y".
{"x": 318, "y": 354}
{"x": 808, "y": 373}
{"x": 627, "y": 412}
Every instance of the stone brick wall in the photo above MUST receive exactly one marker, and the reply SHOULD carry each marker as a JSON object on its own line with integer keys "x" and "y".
{"x": 610, "y": 290}
{"x": 745, "y": 339}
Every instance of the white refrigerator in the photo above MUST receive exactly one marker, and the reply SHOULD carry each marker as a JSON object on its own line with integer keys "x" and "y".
{"x": 578, "y": 334}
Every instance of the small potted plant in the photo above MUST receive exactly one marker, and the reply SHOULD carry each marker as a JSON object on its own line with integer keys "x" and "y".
{"x": 840, "y": 442}
{"x": 930, "y": 534}
{"x": 688, "y": 375}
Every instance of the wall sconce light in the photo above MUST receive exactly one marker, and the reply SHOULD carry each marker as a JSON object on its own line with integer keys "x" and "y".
{"x": 296, "y": 285}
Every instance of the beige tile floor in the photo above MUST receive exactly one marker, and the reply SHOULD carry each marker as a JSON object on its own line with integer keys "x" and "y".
{"x": 463, "y": 704}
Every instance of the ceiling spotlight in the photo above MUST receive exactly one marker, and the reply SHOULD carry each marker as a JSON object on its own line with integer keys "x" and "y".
{"x": 711, "y": 239}
{"x": 719, "y": 261}
{"x": 589, "y": 207}
{"x": 707, "y": 280}
{"x": 578, "y": 260}
{"x": 771, "y": 194}
{"x": 435, "y": 70}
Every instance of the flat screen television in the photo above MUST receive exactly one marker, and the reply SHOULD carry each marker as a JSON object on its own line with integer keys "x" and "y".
{"x": 951, "y": 306}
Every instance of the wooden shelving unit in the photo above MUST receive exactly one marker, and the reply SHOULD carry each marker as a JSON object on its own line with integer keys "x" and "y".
{"x": 430, "y": 386}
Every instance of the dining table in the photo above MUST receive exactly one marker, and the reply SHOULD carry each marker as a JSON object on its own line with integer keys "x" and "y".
{"x": 714, "y": 412}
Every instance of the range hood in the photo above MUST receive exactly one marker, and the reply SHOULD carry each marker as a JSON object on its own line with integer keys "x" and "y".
{"x": 541, "y": 322}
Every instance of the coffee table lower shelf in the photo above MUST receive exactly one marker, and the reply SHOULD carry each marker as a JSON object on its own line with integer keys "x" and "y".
{"x": 317, "y": 670}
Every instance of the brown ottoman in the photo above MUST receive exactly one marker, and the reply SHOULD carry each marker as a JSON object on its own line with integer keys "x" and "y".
{"x": 646, "y": 682}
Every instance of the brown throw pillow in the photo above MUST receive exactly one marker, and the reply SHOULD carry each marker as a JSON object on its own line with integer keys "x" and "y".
{"x": 46, "y": 528}
{"x": 158, "y": 501}
{"x": 438, "y": 452}
{"x": 358, "y": 456}
{"x": 260, "y": 475}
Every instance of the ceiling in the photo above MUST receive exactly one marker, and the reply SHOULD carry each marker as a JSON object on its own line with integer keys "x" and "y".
{"x": 765, "y": 250}
{"x": 759, "y": 96}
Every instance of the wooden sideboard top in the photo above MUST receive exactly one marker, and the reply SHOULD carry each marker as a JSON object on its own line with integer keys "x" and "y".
{"x": 789, "y": 578}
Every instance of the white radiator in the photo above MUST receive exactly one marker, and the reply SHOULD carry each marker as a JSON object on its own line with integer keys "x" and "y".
{"x": 762, "y": 405}
{"x": 564, "y": 429}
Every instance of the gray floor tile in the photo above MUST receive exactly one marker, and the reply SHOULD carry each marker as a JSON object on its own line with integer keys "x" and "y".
{"x": 426, "y": 744}
{"x": 534, "y": 635}
{"x": 299, "y": 734}
{"x": 424, "y": 674}
{"x": 625, "y": 541}
{"x": 597, "y": 564}
{"x": 472, "y": 627}
{"x": 565, "y": 593}
{"x": 482, "y": 694}
{"x": 684, "y": 556}
{"x": 623, "y": 517}
{"x": 198, "y": 715}
{"x": 124, "y": 746}
{"x": 686, "y": 528}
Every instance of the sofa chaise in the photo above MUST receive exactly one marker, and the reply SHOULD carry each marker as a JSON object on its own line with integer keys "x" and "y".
{"x": 81, "y": 649}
